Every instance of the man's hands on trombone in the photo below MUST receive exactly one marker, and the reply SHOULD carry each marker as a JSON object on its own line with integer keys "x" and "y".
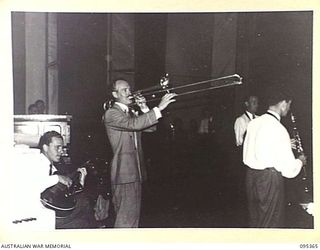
{"x": 166, "y": 100}
{"x": 141, "y": 102}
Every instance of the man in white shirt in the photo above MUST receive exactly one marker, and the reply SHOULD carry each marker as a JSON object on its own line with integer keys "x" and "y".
{"x": 251, "y": 103}
{"x": 124, "y": 133}
{"x": 268, "y": 154}
{"x": 31, "y": 170}
{"x": 241, "y": 123}
{"x": 51, "y": 145}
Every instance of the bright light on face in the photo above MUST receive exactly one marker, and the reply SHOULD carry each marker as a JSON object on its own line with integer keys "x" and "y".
{"x": 54, "y": 150}
{"x": 122, "y": 92}
{"x": 252, "y": 104}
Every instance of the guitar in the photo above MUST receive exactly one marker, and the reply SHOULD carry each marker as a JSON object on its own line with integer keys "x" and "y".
{"x": 61, "y": 198}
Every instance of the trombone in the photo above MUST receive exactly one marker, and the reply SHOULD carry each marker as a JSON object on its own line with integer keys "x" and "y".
{"x": 152, "y": 93}
{"x": 156, "y": 92}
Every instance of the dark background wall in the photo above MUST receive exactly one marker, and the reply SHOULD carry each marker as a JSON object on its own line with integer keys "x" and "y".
{"x": 82, "y": 40}
{"x": 276, "y": 48}
{"x": 150, "y": 49}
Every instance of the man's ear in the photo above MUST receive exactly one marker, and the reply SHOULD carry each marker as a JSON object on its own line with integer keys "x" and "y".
{"x": 45, "y": 148}
{"x": 283, "y": 105}
{"x": 115, "y": 94}
{"x": 246, "y": 103}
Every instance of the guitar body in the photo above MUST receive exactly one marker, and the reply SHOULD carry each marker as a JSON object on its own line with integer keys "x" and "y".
{"x": 60, "y": 199}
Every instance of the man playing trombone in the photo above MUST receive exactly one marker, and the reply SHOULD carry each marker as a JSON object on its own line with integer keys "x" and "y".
{"x": 124, "y": 127}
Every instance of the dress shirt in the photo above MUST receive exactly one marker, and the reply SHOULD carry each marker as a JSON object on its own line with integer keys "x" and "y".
{"x": 267, "y": 144}
{"x": 44, "y": 169}
{"x": 240, "y": 126}
{"x": 30, "y": 172}
{"x": 125, "y": 108}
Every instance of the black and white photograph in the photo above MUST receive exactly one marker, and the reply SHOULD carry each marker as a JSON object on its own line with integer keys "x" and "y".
{"x": 161, "y": 120}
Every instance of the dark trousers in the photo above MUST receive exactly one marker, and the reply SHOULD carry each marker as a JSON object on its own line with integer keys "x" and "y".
{"x": 265, "y": 193}
{"x": 240, "y": 170}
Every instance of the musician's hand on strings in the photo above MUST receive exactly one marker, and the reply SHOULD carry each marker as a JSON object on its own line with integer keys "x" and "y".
{"x": 303, "y": 158}
{"x": 166, "y": 100}
{"x": 65, "y": 180}
{"x": 293, "y": 144}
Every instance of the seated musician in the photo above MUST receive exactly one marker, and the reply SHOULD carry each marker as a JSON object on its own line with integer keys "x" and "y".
{"x": 51, "y": 144}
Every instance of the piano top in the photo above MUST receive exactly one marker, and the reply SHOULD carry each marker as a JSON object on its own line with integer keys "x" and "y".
{"x": 42, "y": 117}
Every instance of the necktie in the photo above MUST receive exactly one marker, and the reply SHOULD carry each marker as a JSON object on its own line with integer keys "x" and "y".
{"x": 253, "y": 116}
{"x": 50, "y": 170}
{"x": 131, "y": 112}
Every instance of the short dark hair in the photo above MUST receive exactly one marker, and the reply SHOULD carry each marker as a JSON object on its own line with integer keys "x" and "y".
{"x": 39, "y": 101}
{"x": 46, "y": 138}
{"x": 277, "y": 94}
{"x": 32, "y": 106}
{"x": 247, "y": 97}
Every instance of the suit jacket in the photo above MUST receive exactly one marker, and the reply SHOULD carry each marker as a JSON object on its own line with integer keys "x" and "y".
{"x": 124, "y": 134}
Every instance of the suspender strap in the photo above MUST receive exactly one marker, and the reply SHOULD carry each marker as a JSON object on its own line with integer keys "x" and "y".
{"x": 272, "y": 115}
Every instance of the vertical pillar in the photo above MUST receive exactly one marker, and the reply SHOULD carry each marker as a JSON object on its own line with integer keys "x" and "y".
{"x": 52, "y": 65}
{"x": 35, "y": 31}
{"x": 18, "y": 57}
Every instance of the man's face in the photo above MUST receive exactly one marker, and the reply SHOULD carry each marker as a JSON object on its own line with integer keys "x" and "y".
{"x": 285, "y": 107}
{"x": 252, "y": 104}
{"x": 41, "y": 107}
{"x": 53, "y": 151}
{"x": 33, "y": 110}
{"x": 122, "y": 92}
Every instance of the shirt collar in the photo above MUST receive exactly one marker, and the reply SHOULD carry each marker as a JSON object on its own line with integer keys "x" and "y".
{"x": 275, "y": 114}
{"x": 124, "y": 107}
{"x": 249, "y": 114}
{"x": 46, "y": 161}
